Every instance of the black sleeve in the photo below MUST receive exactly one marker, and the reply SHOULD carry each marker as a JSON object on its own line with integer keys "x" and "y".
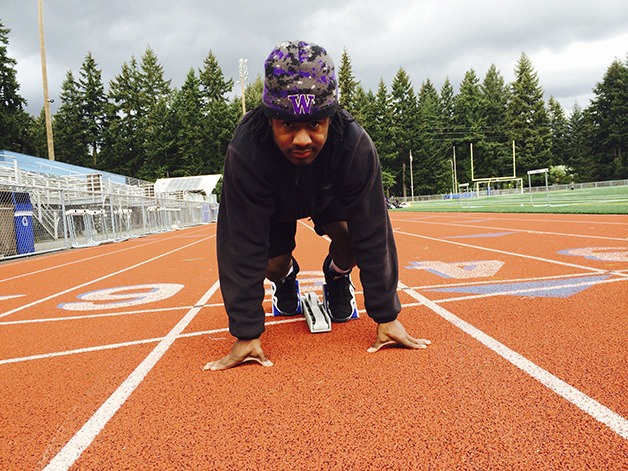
{"x": 370, "y": 229}
{"x": 246, "y": 205}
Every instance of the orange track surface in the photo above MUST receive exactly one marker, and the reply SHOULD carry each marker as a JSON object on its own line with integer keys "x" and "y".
{"x": 522, "y": 373}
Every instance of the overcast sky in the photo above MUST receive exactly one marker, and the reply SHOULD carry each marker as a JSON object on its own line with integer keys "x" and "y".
{"x": 571, "y": 42}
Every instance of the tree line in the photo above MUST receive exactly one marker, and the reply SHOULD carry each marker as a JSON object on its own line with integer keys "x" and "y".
{"x": 141, "y": 126}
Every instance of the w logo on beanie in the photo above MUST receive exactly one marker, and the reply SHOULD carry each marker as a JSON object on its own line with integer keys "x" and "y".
{"x": 302, "y": 104}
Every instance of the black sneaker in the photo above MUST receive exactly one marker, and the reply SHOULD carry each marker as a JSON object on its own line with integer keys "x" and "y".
{"x": 339, "y": 291}
{"x": 285, "y": 294}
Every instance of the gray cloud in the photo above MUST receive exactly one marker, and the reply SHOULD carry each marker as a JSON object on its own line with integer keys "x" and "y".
{"x": 570, "y": 43}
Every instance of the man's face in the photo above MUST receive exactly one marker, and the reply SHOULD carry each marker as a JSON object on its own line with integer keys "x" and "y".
{"x": 300, "y": 142}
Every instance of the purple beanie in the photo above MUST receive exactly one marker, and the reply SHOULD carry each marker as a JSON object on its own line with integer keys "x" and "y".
{"x": 299, "y": 83}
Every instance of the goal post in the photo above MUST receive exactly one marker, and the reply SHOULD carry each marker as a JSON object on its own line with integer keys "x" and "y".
{"x": 478, "y": 182}
{"x": 538, "y": 171}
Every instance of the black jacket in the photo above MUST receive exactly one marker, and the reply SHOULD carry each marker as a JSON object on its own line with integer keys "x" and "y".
{"x": 261, "y": 186}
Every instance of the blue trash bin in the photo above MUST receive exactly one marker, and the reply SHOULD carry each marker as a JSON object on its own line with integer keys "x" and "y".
{"x": 23, "y": 219}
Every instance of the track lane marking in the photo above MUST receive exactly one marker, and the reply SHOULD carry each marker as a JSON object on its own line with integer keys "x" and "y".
{"x": 472, "y": 218}
{"x": 504, "y": 252}
{"x": 524, "y": 291}
{"x": 87, "y": 259}
{"x": 109, "y": 275}
{"x": 523, "y": 231}
{"x": 590, "y": 406}
{"x": 68, "y": 455}
{"x": 131, "y": 343}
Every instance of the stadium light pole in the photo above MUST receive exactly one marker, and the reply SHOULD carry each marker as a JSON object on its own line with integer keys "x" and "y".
{"x": 44, "y": 78}
{"x": 411, "y": 178}
{"x": 455, "y": 173}
{"x": 243, "y": 76}
{"x": 453, "y": 180}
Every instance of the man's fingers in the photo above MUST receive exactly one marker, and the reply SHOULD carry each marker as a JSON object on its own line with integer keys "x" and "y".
{"x": 221, "y": 364}
{"x": 262, "y": 361}
{"x": 228, "y": 362}
{"x": 377, "y": 345}
{"x": 408, "y": 342}
{"x": 242, "y": 351}
{"x": 417, "y": 343}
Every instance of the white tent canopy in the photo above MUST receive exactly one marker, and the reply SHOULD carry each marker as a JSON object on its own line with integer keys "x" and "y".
{"x": 197, "y": 184}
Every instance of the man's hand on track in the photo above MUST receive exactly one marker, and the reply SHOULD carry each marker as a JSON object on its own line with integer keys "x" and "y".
{"x": 241, "y": 352}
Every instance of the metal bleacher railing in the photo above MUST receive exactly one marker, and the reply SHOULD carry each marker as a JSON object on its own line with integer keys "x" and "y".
{"x": 42, "y": 212}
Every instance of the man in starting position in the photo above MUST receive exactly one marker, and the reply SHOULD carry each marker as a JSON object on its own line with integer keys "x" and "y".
{"x": 299, "y": 155}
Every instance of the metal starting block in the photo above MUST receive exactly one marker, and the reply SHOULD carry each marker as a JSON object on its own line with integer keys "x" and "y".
{"x": 316, "y": 313}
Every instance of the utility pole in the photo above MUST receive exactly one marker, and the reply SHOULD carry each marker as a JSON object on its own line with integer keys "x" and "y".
{"x": 455, "y": 173}
{"x": 411, "y": 178}
{"x": 44, "y": 77}
{"x": 243, "y": 77}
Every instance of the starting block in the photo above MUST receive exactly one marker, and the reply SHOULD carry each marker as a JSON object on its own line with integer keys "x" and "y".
{"x": 316, "y": 313}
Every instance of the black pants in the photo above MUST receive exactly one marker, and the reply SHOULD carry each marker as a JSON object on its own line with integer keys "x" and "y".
{"x": 282, "y": 233}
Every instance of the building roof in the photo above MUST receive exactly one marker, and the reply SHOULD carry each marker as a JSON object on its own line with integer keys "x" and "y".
{"x": 200, "y": 183}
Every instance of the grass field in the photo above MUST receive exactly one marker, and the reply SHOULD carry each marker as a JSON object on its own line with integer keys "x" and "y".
{"x": 610, "y": 200}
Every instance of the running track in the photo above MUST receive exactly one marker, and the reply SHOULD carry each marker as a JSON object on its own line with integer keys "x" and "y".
{"x": 102, "y": 349}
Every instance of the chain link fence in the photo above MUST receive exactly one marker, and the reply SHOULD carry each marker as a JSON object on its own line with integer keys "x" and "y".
{"x": 47, "y": 214}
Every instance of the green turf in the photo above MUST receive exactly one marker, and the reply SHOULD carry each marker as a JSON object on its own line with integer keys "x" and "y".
{"x": 608, "y": 200}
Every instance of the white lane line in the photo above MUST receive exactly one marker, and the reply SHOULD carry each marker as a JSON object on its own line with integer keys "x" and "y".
{"x": 585, "y": 403}
{"x": 87, "y": 259}
{"x": 131, "y": 343}
{"x": 512, "y": 254}
{"x": 52, "y": 296}
{"x": 45, "y": 356}
{"x": 523, "y": 291}
{"x": 526, "y": 231}
{"x": 491, "y": 281}
{"x": 86, "y": 435}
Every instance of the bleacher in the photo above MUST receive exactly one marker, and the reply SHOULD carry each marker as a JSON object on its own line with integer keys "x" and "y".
{"x": 75, "y": 206}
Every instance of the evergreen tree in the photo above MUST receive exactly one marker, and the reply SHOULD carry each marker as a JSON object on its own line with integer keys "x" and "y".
{"x": 469, "y": 123}
{"x": 92, "y": 107}
{"x": 374, "y": 113}
{"x": 138, "y": 101}
{"x": 163, "y": 157}
{"x": 214, "y": 87}
{"x": 447, "y": 100}
{"x": 361, "y": 105}
{"x": 528, "y": 122}
{"x": 15, "y": 123}
{"x": 187, "y": 106}
{"x": 39, "y": 138}
{"x": 381, "y": 130}
{"x": 447, "y": 132}
{"x": 608, "y": 120}
{"x": 253, "y": 93}
{"x": 220, "y": 116}
{"x": 153, "y": 85}
{"x": 347, "y": 84}
{"x": 155, "y": 96}
{"x": 69, "y": 131}
{"x": 432, "y": 173}
{"x": 123, "y": 151}
{"x": 494, "y": 143}
{"x": 559, "y": 127}
{"x": 404, "y": 125}
{"x": 578, "y": 157}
